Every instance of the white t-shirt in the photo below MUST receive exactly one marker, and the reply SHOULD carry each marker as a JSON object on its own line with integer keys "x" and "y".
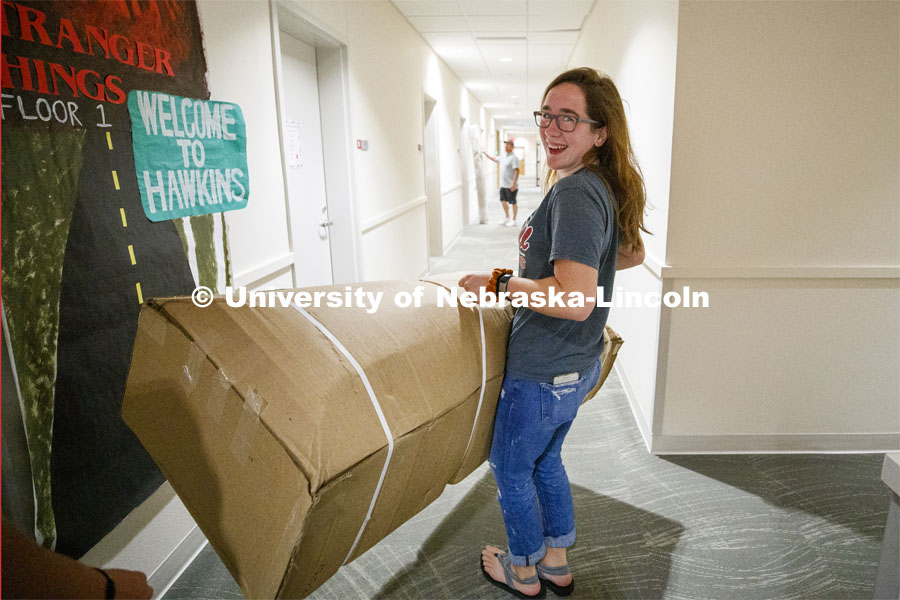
{"x": 508, "y": 166}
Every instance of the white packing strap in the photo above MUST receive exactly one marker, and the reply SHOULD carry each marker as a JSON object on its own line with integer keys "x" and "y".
{"x": 483, "y": 380}
{"x": 378, "y": 411}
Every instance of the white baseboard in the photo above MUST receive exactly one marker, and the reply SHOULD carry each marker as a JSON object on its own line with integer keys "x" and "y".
{"x": 636, "y": 412}
{"x": 158, "y": 538}
{"x": 793, "y": 443}
{"x": 175, "y": 564}
{"x": 455, "y": 239}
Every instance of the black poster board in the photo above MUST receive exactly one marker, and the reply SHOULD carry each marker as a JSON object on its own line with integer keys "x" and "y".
{"x": 78, "y": 253}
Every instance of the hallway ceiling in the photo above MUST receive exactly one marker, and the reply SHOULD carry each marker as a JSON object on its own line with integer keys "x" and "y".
{"x": 504, "y": 51}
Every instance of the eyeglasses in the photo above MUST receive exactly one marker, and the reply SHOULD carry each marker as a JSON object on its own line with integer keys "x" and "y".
{"x": 564, "y": 122}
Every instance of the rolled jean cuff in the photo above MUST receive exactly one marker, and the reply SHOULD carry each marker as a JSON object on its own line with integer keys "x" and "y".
{"x": 563, "y": 541}
{"x": 530, "y": 560}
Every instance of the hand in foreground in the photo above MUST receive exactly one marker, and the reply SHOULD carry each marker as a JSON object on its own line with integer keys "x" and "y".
{"x": 472, "y": 282}
{"x": 130, "y": 584}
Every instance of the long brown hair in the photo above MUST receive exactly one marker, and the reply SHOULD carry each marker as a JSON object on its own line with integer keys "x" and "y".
{"x": 614, "y": 161}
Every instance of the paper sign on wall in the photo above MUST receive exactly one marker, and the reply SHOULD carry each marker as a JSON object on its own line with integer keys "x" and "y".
{"x": 292, "y": 143}
{"x": 190, "y": 155}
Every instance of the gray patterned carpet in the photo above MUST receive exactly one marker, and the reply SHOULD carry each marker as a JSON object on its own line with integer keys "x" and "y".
{"x": 717, "y": 527}
{"x": 648, "y": 527}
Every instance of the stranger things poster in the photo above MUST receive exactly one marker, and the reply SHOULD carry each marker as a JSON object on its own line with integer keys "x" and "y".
{"x": 78, "y": 254}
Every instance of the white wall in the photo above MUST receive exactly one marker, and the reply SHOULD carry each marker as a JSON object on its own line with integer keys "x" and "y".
{"x": 784, "y": 206}
{"x": 772, "y": 172}
{"x": 391, "y": 67}
{"x": 786, "y": 114}
{"x": 238, "y": 47}
{"x": 635, "y": 44}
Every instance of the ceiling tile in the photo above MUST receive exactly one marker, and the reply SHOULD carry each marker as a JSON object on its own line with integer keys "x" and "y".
{"x": 555, "y": 7}
{"x": 509, "y": 25}
{"x": 471, "y": 37}
{"x": 428, "y": 8}
{"x": 435, "y": 24}
{"x": 553, "y": 37}
{"x": 448, "y": 39}
{"x": 494, "y": 7}
{"x": 560, "y": 22}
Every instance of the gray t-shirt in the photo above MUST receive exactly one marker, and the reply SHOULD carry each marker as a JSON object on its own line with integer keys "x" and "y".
{"x": 576, "y": 221}
{"x": 508, "y": 165}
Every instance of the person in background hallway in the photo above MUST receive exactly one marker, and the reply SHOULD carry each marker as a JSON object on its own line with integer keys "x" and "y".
{"x": 586, "y": 227}
{"x": 31, "y": 571}
{"x": 509, "y": 181}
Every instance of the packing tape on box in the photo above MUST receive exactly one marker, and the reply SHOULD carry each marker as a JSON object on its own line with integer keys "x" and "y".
{"x": 288, "y": 533}
{"x": 247, "y": 427}
{"x": 483, "y": 381}
{"x": 192, "y": 365}
{"x": 215, "y": 396}
{"x": 208, "y": 331}
{"x": 381, "y": 418}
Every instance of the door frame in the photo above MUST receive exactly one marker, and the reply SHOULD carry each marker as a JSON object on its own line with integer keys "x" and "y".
{"x": 432, "y": 174}
{"x": 334, "y": 109}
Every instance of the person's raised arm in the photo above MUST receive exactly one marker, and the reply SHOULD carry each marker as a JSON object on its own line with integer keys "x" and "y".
{"x": 489, "y": 156}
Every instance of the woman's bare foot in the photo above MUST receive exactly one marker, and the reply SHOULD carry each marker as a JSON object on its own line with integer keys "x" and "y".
{"x": 556, "y": 557}
{"x": 494, "y": 569}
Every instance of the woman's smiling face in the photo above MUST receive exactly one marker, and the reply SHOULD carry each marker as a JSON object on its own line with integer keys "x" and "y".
{"x": 565, "y": 149}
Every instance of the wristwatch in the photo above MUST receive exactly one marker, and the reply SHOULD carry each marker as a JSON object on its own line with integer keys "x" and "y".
{"x": 503, "y": 282}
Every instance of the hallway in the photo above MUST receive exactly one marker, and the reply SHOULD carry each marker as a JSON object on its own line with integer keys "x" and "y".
{"x": 492, "y": 245}
{"x": 734, "y": 452}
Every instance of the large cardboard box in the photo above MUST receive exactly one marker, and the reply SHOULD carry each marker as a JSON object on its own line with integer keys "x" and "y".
{"x": 297, "y": 438}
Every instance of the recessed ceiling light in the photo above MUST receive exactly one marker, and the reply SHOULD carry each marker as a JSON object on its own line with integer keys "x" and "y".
{"x": 514, "y": 97}
{"x": 506, "y": 59}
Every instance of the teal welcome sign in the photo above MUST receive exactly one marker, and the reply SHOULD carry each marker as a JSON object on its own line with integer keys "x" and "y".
{"x": 190, "y": 155}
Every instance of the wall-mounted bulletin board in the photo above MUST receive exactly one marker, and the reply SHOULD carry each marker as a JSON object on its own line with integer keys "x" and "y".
{"x": 78, "y": 253}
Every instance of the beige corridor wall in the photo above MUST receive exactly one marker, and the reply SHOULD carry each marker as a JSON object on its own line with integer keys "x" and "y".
{"x": 233, "y": 56}
{"x": 634, "y": 43}
{"x": 784, "y": 207}
{"x": 390, "y": 68}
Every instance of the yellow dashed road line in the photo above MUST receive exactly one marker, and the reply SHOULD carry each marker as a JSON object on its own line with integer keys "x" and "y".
{"x": 115, "y": 177}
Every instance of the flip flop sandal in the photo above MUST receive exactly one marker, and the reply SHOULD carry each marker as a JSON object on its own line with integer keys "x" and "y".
{"x": 559, "y": 590}
{"x": 511, "y": 578}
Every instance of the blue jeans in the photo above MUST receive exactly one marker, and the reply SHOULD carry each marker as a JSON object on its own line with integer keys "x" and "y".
{"x": 532, "y": 421}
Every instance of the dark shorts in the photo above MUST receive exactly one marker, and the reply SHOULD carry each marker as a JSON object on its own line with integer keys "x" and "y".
{"x": 507, "y": 195}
